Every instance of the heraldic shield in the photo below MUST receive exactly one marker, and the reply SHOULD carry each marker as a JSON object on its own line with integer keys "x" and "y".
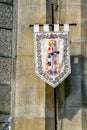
{"x": 52, "y": 56}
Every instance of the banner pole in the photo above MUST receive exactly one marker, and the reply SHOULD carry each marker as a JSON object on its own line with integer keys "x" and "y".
{"x": 55, "y": 109}
{"x": 52, "y": 16}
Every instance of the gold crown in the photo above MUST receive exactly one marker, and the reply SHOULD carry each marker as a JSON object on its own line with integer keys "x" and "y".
{"x": 52, "y": 42}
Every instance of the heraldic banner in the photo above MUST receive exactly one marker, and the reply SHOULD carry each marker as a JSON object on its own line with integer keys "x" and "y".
{"x": 52, "y": 56}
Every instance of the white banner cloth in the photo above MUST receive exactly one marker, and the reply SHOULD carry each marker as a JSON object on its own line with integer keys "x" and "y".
{"x": 52, "y": 56}
{"x": 66, "y": 27}
{"x": 56, "y": 27}
{"x": 36, "y": 28}
{"x": 46, "y": 27}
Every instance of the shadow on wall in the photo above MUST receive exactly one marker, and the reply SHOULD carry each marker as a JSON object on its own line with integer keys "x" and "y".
{"x": 72, "y": 101}
{"x": 68, "y": 96}
{"x": 72, "y": 91}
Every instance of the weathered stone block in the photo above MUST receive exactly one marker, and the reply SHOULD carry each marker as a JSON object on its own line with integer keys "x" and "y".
{"x": 49, "y": 124}
{"x": 49, "y": 109}
{"x": 5, "y": 16}
{"x": 5, "y": 42}
{"x": 71, "y": 2}
{"x": 4, "y": 120}
{"x": 75, "y": 48}
{"x": 69, "y": 14}
{"x": 5, "y": 98}
{"x": 74, "y": 2}
{"x": 74, "y": 30}
{"x": 76, "y": 65}
{"x": 71, "y": 118}
{"x": 7, "y": 1}
{"x": 84, "y": 30}
{"x": 60, "y": 92}
{"x": 84, "y": 117}
{"x": 84, "y": 89}
{"x": 84, "y": 50}
{"x": 68, "y": 112}
{"x": 84, "y": 65}
{"x": 5, "y": 71}
{"x": 25, "y": 123}
{"x": 83, "y": 2}
{"x": 84, "y": 14}
{"x": 74, "y": 97}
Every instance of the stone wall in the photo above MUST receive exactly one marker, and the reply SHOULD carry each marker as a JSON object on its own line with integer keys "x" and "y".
{"x": 29, "y": 91}
{"x": 84, "y": 64}
{"x": 69, "y": 110}
{"x": 6, "y": 26}
{"x": 32, "y": 101}
{"x": 69, "y": 92}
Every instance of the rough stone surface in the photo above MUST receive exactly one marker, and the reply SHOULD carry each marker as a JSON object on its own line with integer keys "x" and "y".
{"x": 7, "y": 1}
{"x": 5, "y": 42}
{"x": 70, "y": 2}
{"x": 29, "y": 96}
{"x": 30, "y": 123}
{"x": 76, "y": 65}
{"x": 71, "y": 119}
{"x": 75, "y": 90}
{"x": 6, "y": 22}
{"x": 84, "y": 89}
{"x": 75, "y": 49}
{"x": 5, "y": 16}
{"x": 5, "y": 71}
{"x": 33, "y": 98}
{"x": 84, "y": 64}
{"x": 84, "y": 49}
{"x": 5, "y": 98}
{"x": 84, "y": 117}
{"x": 4, "y": 120}
{"x": 69, "y": 100}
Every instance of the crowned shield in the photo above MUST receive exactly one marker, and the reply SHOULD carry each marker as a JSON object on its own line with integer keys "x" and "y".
{"x": 52, "y": 56}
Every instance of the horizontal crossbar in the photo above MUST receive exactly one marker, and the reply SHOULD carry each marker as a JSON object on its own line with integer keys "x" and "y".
{"x": 70, "y": 24}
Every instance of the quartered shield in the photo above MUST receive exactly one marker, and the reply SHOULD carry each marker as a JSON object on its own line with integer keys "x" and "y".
{"x": 52, "y": 56}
